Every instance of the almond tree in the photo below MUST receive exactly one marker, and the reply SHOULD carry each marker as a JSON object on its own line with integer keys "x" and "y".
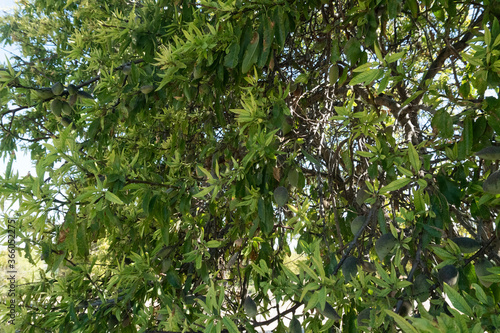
{"x": 184, "y": 149}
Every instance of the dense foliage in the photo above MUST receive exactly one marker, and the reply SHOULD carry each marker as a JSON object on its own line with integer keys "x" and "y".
{"x": 184, "y": 149}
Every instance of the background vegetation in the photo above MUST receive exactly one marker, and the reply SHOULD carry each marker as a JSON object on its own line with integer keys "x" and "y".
{"x": 184, "y": 148}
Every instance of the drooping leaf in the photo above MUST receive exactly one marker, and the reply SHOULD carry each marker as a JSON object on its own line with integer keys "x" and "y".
{"x": 250, "y": 57}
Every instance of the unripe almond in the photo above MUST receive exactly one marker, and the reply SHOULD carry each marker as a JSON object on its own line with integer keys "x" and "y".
{"x": 250, "y": 307}
{"x": 65, "y": 121}
{"x": 280, "y": 196}
{"x": 489, "y": 153}
{"x": 467, "y": 245}
{"x": 384, "y": 245}
{"x": 127, "y": 69}
{"x": 492, "y": 183}
{"x": 146, "y": 89}
{"x": 72, "y": 99}
{"x": 481, "y": 268}
{"x": 57, "y": 88}
{"x": 350, "y": 268}
{"x": 66, "y": 109}
{"x": 449, "y": 275}
{"x": 72, "y": 89}
{"x": 295, "y": 326}
{"x": 56, "y": 106}
{"x": 357, "y": 223}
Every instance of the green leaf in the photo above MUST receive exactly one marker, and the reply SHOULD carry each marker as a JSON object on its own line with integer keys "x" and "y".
{"x": 267, "y": 41}
{"x": 366, "y": 77}
{"x": 250, "y": 56}
{"x": 312, "y": 302}
{"x": 383, "y": 83}
{"x": 352, "y": 50}
{"x": 308, "y": 270}
{"x": 230, "y": 325}
{"x": 363, "y": 68}
{"x": 413, "y": 156}
{"x": 81, "y": 240}
{"x": 481, "y": 295}
{"x": 419, "y": 201}
{"x": 412, "y": 97}
{"x": 401, "y": 322}
{"x": 442, "y": 123}
{"x": 395, "y": 185}
{"x": 113, "y": 198}
{"x": 487, "y": 36}
{"x": 467, "y": 136}
{"x": 442, "y": 253}
{"x": 265, "y": 211}
{"x": 457, "y": 300}
{"x": 322, "y": 298}
{"x": 214, "y": 244}
{"x": 232, "y": 56}
{"x": 204, "y": 192}
{"x": 390, "y": 58}
{"x": 365, "y": 154}
{"x": 377, "y": 51}
{"x": 279, "y": 26}
{"x": 311, "y": 158}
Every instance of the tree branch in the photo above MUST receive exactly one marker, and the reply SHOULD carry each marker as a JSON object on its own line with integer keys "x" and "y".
{"x": 445, "y": 53}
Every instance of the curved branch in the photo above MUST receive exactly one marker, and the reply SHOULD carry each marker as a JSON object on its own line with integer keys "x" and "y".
{"x": 270, "y": 321}
{"x": 445, "y": 53}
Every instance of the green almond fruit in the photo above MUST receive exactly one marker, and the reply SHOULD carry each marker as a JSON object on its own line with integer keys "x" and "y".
{"x": 44, "y": 93}
{"x": 72, "y": 99}
{"x": 368, "y": 267}
{"x": 189, "y": 92}
{"x": 421, "y": 288}
{"x": 333, "y": 75}
{"x": 329, "y": 312}
{"x": 72, "y": 89}
{"x": 405, "y": 309}
{"x": 350, "y": 268}
{"x": 84, "y": 94}
{"x": 57, "y": 88}
{"x": 280, "y": 196}
{"x": 127, "y": 69}
{"x": 250, "y": 307}
{"x": 295, "y": 326}
{"x": 362, "y": 195}
{"x": 287, "y": 124}
{"x": 492, "y": 183}
{"x": 357, "y": 223}
{"x": 293, "y": 178}
{"x": 466, "y": 244}
{"x": 232, "y": 260}
{"x": 66, "y": 109}
{"x": 112, "y": 322}
{"x": 449, "y": 275}
{"x": 65, "y": 121}
{"x": 489, "y": 153}
{"x": 146, "y": 89}
{"x": 364, "y": 317}
{"x": 197, "y": 73}
{"x": 384, "y": 245}
{"x": 481, "y": 268}
{"x": 56, "y": 106}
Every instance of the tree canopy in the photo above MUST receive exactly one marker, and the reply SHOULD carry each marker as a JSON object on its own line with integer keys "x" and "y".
{"x": 185, "y": 149}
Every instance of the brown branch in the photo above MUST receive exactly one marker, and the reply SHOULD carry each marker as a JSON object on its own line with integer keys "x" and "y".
{"x": 410, "y": 275}
{"x": 445, "y": 53}
{"x": 270, "y": 321}
{"x": 369, "y": 218}
{"x": 96, "y": 78}
{"x": 481, "y": 251}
